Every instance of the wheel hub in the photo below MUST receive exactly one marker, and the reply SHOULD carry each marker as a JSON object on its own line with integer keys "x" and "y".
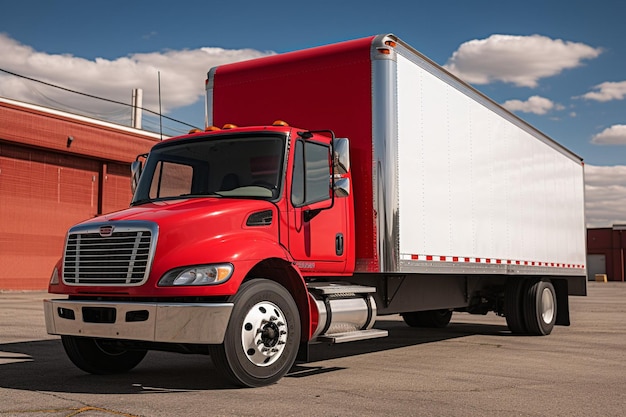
{"x": 264, "y": 333}
{"x": 547, "y": 306}
{"x": 270, "y": 335}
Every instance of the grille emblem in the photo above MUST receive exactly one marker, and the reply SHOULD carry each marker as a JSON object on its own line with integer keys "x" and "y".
{"x": 106, "y": 231}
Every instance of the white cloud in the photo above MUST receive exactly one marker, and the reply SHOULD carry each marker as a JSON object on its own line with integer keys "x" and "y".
{"x": 614, "y": 135}
{"x": 605, "y": 195}
{"x": 534, "y": 104}
{"x": 520, "y": 60}
{"x": 182, "y": 76}
{"x": 607, "y": 91}
{"x": 150, "y": 35}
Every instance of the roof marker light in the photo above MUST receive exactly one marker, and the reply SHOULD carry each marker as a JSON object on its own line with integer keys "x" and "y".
{"x": 211, "y": 128}
{"x": 280, "y": 123}
{"x": 229, "y": 126}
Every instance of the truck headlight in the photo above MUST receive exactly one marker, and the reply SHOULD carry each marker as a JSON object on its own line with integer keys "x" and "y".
{"x": 197, "y": 275}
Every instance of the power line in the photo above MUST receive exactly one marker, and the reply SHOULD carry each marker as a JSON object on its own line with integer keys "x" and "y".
{"x": 92, "y": 96}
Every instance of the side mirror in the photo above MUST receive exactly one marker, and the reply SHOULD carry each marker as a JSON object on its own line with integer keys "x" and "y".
{"x": 135, "y": 173}
{"x": 342, "y": 187}
{"x": 341, "y": 167}
{"x": 341, "y": 157}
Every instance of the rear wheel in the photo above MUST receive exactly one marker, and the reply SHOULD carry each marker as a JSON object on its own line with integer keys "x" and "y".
{"x": 99, "y": 356}
{"x": 540, "y": 307}
{"x": 430, "y": 318}
{"x": 514, "y": 307}
{"x": 263, "y": 335}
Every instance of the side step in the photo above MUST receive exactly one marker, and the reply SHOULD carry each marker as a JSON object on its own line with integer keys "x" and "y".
{"x": 352, "y": 336}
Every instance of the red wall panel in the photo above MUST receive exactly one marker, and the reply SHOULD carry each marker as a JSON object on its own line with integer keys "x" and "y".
{"x": 42, "y": 194}
{"x": 34, "y": 128}
{"x": 116, "y": 193}
{"x": 610, "y": 242}
{"x": 46, "y": 186}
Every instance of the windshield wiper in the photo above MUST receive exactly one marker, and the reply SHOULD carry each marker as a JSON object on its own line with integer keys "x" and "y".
{"x": 143, "y": 201}
{"x": 174, "y": 197}
{"x": 211, "y": 194}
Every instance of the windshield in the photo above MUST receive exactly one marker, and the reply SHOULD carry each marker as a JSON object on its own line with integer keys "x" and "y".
{"x": 232, "y": 166}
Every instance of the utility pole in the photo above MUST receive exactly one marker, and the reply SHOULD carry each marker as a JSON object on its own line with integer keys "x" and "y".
{"x": 137, "y": 102}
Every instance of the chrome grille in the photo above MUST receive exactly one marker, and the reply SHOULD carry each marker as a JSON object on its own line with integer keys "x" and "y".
{"x": 123, "y": 258}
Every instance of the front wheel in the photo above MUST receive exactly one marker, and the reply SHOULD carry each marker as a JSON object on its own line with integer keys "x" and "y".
{"x": 99, "y": 356}
{"x": 263, "y": 335}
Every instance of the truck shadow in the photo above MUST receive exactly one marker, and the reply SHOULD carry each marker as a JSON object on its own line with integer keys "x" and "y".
{"x": 400, "y": 335}
{"x": 43, "y": 366}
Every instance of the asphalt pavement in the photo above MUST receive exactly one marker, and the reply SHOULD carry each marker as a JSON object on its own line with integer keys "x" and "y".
{"x": 475, "y": 367}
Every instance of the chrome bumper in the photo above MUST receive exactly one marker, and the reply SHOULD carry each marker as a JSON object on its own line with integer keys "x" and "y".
{"x": 154, "y": 322}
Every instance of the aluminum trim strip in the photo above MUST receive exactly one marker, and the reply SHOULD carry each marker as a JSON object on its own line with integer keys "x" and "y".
{"x": 385, "y": 155}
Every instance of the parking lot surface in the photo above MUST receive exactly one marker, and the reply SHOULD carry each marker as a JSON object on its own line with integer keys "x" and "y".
{"x": 474, "y": 367}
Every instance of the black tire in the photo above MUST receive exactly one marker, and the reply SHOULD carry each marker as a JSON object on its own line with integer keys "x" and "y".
{"x": 431, "y": 318}
{"x": 514, "y": 306}
{"x": 263, "y": 335}
{"x": 540, "y": 307}
{"x": 101, "y": 357}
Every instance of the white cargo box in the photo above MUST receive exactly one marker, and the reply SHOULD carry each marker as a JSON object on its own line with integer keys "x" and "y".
{"x": 477, "y": 187}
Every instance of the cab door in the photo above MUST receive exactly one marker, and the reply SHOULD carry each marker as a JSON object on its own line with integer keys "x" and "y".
{"x": 318, "y": 222}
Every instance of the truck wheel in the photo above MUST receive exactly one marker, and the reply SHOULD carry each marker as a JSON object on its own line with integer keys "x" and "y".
{"x": 514, "y": 307}
{"x": 430, "y": 318}
{"x": 100, "y": 357}
{"x": 263, "y": 335}
{"x": 540, "y": 307}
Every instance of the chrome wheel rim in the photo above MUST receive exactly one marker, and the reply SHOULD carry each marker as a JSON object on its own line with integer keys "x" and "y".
{"x": 547, "y": 306}
{"x": 264, "y": 333}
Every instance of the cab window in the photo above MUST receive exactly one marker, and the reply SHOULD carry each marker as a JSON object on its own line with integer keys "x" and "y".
{"x": 311, "y": 173}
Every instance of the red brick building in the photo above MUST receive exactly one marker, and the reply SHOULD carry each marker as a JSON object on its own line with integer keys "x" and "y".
{"x": 56, "y": 169}
{"x": 606, "y": 249}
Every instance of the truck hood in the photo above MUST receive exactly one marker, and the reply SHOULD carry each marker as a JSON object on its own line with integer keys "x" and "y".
{"x": 201, "y": 231}
{"x": 190, "y": 211}
{"x": 192, "y": 231}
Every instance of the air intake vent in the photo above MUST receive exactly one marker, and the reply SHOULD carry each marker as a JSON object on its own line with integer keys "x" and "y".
{"x": 121, "y": 256}
{"x": 261, "y": 218}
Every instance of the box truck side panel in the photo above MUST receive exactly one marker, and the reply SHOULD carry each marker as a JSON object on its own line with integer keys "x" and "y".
{"x": 477, "y": 187}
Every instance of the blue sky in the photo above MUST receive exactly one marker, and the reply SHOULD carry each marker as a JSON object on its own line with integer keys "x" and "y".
{"x": 88, "y": 46}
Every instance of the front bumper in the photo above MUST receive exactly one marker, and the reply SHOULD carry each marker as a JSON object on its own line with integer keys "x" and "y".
{"x": 154, "y": 322}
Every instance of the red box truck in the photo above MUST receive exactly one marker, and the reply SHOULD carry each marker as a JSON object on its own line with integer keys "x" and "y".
{"x": 345, "y": 182}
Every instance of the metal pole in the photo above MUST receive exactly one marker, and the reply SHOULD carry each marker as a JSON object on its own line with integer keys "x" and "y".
{"x": 160, "y": 109}
{"x": 135, "y": 119}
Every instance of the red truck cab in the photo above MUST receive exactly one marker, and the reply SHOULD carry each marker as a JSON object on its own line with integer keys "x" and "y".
{"x": 216, "y": 216}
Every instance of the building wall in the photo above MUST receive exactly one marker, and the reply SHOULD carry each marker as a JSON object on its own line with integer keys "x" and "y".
{"x": 610, "y": 242}
{"x": 48, "y": 183}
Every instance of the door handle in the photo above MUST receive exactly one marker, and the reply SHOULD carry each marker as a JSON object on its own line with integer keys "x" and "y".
{"x": 339, "y": 244}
